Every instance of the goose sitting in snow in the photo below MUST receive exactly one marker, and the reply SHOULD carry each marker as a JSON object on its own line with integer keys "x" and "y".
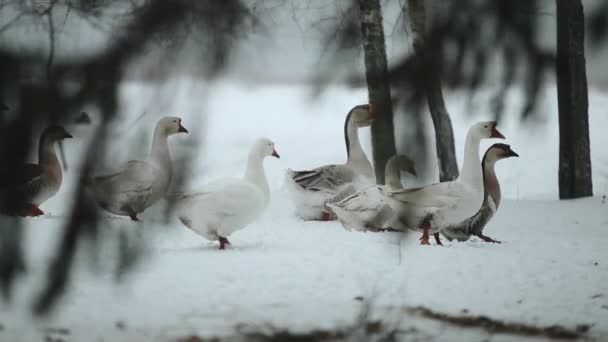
{"x": 25, "y": 188}
{"x": 474, "y": 225}
{"x": 367, "y": 209}
{"x": 222, "y": 207}
{"x": 312, "y": 189}
{"x": 139, "y": 184}
{"x": 432, "y": 208}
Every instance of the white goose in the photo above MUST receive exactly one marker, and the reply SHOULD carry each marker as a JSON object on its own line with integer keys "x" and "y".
{"x": 367, "y": 209}
{"x": 474, "y": 225}
{"x": 140, "y": 183}
{"x": 432, "y": 208}
{"x": 312, "y": 189}
{"x": 222, "y": 207}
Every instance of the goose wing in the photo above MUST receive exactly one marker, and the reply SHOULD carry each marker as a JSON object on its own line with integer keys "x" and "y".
{"x": 329, "y": 178}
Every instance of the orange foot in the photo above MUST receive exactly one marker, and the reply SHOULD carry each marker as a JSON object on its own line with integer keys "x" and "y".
{"x": 133, "y": 216}
{"x": 424, "y": 240}
{"x": 223, "y": 242}
{"x": 487, "y": 238}
{"x": 437, "y": 239}
{"x": 33, "y": 210}
{"x": 324, "y": 216}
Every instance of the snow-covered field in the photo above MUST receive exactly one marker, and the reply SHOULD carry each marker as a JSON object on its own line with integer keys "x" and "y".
{"x": 282, "y": 272}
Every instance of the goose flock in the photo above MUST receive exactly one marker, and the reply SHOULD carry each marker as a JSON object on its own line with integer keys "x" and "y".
{"x": 457, "y": 210}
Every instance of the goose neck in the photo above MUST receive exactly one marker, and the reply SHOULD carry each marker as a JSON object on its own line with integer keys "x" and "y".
{"x": 254, "y": 173}
{"x": 392, "y": 175}
{"x": 471, "y": 165}
{"x": 490, "y": 181}
{"x": 46, "y": 154}
{"x": 159, "y": 152}
{"x": 356, "y": 157}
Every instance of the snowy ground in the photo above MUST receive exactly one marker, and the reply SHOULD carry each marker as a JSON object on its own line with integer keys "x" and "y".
{"x": 551, "y": 268}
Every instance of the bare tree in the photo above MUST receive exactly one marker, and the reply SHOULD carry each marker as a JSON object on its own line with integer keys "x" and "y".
{"x": 376, "y": 73}
{"x": 427, "y": 60}
{"x": 574, "y": 156}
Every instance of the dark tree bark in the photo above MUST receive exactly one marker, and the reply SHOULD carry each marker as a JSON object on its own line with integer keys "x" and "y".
{"x": 427, "y": 61}
{"x": 376, "y": 73}
{"x": 574, "y": 155}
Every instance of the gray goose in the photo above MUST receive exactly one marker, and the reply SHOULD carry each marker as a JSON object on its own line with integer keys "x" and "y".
{"x": 474, "y": 225}
{"x": 25, "y": 188}
{"x": 367, "y": 208}
{"x": 312, "y": 189}
{"x": 140, "y": 183}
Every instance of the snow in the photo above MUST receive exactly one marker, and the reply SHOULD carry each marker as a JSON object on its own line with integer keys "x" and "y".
{"x": 550, "y": 269}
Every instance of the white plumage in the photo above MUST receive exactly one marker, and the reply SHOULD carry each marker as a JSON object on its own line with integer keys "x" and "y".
{"x": 367, "y": 209}
{"x": 222, "y": 207}
{"x": 434, "y": 207}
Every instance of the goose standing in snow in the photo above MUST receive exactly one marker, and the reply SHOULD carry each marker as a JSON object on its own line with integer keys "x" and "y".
{"x": 432, "y": 208}
{"x": 474, "y": 225}
{"x": 139, "y": 184}
{"x": 222, "y": 207}
{"x": 312, "y": 189}
{"x": 25, "y": 188}
{"x": 367, "y": 209}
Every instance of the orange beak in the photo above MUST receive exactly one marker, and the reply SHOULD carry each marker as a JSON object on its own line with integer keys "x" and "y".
{"x": 275, "y": 154}
{"x": 182, "y": 129}
{"x": 496, "y": 133}
{"x": 372, "y": 110}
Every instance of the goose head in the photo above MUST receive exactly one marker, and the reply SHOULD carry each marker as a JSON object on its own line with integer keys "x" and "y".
{"x": 500, "y": 151}
{"x": 170, "y": 125}
{"x": 486, "y": 130}
{"x": 263, "y": 148}
{"x": 361, "y": 115}
{"x": 405, "y": 164}
{"x": 54, "y": 134}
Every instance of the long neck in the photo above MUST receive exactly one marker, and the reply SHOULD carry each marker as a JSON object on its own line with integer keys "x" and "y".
{"x": 392, "y": 176}
{"x": 471, "y": 168}
{"x": 159, "y": 153}
{"x": 356, "y": 157}
{"x": 46, "y": 153}
{"x": 255, "y": 172}
{"x": 490, "y": 181}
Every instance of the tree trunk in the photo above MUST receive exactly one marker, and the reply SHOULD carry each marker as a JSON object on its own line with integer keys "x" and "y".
{"x": 574, "y": 155}
{"x": 376, "y": 73}
{"x": 427, "y": 60}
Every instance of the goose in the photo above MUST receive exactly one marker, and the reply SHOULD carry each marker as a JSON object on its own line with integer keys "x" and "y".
{"x": 431, "y": 208}
{"x": 491, "y": 202}
{"x": 140, "y": 183}
{"x": 222, "y": 207}
{"x": 25, "y": 188}
{"x": 310, "y": 190}
{"x": 367, "y": 209}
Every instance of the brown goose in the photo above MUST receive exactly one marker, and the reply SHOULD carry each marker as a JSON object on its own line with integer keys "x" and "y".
{"x": 25, "y": 188}
{"x": 474, "y": 225}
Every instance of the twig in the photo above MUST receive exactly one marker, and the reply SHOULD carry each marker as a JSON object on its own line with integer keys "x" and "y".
{"x": 497, "y": 326}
